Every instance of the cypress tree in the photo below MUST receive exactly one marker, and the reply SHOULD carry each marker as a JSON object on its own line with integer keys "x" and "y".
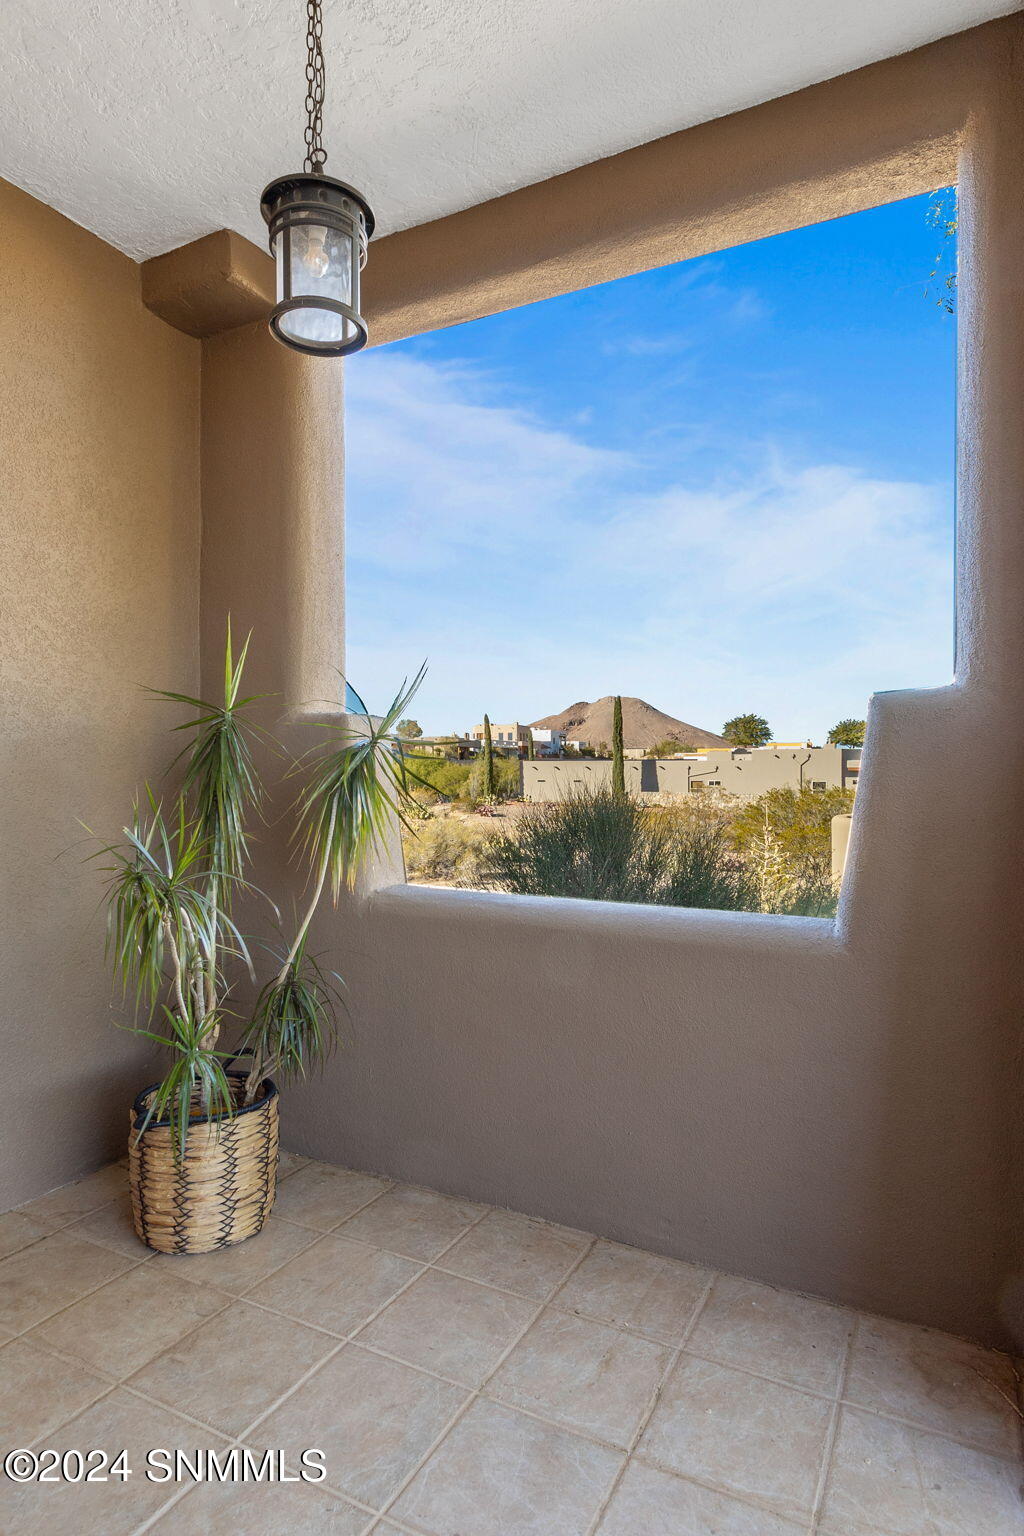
{"x": 618, "y": 753}
{"x": 487, "y": 785}
{"x": 530, "y": 750}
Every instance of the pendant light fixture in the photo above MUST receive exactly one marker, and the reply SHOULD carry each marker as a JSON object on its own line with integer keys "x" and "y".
{"x": 318, "y": 228}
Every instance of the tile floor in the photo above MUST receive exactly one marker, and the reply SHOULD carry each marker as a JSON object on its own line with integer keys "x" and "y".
{"x": 472, "y": 1372}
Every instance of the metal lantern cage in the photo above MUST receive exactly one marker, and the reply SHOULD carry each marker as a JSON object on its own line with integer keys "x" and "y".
{"x": 319, "y": 229}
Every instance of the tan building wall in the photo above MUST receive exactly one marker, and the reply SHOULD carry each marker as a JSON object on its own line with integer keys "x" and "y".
{"x": 99, "y": 565}
{"x": 745, "y": 774}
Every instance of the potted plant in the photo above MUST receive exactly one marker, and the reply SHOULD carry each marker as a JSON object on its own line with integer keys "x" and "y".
{"x": 204, "y": 1142}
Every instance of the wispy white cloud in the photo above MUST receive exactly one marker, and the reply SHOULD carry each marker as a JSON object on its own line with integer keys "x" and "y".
{"x": 524, "y": 561}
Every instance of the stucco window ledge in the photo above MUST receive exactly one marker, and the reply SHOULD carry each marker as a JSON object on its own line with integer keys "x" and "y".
{"x": 740, "y": 931}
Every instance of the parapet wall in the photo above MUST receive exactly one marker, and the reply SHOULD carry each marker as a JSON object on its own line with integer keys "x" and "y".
{"x": 746, "y": 774}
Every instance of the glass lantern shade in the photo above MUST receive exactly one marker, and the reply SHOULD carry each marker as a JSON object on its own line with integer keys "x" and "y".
{"x": 318, "y": 233}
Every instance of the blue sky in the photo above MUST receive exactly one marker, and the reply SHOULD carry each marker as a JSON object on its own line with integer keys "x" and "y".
{"x": 721, "y": 486}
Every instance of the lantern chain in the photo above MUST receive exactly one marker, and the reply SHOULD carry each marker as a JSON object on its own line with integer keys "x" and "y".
{"x": 315, "y": 83}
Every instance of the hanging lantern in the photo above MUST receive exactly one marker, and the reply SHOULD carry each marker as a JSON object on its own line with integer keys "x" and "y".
{"x": 318, "y": 229}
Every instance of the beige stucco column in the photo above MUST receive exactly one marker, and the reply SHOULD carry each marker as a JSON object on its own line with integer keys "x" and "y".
{"x": 272, "y": 476}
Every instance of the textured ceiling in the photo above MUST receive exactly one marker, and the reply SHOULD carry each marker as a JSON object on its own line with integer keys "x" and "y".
{"x": 152, "y": 122}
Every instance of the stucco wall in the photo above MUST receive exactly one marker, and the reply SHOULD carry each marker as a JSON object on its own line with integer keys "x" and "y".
{"x": 99, "y": 546}
{"x": 747, "y": 774}
{"x": 831, "y": 1108}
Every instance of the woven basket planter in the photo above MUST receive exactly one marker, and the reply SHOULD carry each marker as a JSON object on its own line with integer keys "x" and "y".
{"x": 220, "y": 1192}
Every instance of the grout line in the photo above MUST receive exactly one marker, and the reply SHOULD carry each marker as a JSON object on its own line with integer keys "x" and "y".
{"x": 23, "y": 1333}
{"x": 926, "y": 1429}
{"x": 832, "y": 1431}
{"x": 284, "y": 1396}
{"x": 750, "y": 1500}
{"x": 745, "y": 1370}
{"x": 475, "y": 1396}
{"x": 646, "y": 1417}
{"x": 179, "y": 1413}
{"x": 347, "y": 1338}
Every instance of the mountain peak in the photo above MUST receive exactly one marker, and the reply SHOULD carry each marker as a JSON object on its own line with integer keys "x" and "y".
{"x": 642, "y": 725}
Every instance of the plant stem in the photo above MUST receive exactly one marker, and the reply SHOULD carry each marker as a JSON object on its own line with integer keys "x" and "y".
{"x": 321, "y": 882}
{"x": 260, "y": 1066}
{"x": 176, "y": 960}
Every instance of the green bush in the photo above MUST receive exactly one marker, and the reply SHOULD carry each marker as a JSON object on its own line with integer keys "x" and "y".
{"x": 507, "y": 779}
{"x": 801, "y": 820}
{"x": 462, "y": 781}
{"x": 447, "y": 779}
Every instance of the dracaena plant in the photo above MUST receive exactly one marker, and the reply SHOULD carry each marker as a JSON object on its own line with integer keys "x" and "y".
{"x": 174, "y": 882}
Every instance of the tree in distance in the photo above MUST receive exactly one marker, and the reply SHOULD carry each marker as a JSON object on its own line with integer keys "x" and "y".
{"x": 411, "y": 729}
{"x": 488, "y": 787}
{"x": 618, "y": 751}
{"x": 847, "y": 733}
{"x": 747, "y": 731}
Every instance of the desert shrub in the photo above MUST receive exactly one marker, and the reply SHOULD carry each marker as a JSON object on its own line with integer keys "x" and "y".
{"x": 700, "y": 870}
{"x": 506, "y": 779}
{"x": 801, "y": 821}
{"x": 788, "y": 884}
{"x": 590, "y": 844}
{"x": 443, "y": 849}
{"x": 609, "y": 847}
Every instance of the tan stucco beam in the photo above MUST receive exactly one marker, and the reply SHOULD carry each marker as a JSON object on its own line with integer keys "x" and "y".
{"x": 888, "y": 131}
{"x": 214, "y": 284}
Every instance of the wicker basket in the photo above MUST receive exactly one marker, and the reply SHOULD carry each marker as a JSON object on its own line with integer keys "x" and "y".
{"x": 222, "y": 1190}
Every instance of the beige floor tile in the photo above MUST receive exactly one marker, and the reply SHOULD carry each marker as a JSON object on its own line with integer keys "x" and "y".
{"x": 516, "y": 1252}
{"x": 289, "y": 1163}
{"x": 649, "y": 1502}
{"x": 890, "y": 1480}
{"x": 937, "y": 1382}
{"x": 320, "y": 1197}
{"x": 450, "y": 1325}
{"x": 373, "y": 1418}
{"x": 38, "y": 1391}
{"x": 74, "y": 1200}
{"x": 413, "y": 1222}
{"x": 500, "y": 1473}
{"x": 118, "y": 1422}
{"x": 337, "y": 1284}
{"x": 232, "y": 1368}
{"x": 755, "y": 1439}
{"x": 242, "y": 1265}
{"x": 636, "y": 1290}
{"x": 18, "y": 1230}
{"x": 120, "y": 1327}
{"x": 51, "y": 1274}
{"x": 590, "y": 1377}
{"x": 263, "y": 1509}
{"x": 774, "y": 1333}
{"x": 112, "y": 1227}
